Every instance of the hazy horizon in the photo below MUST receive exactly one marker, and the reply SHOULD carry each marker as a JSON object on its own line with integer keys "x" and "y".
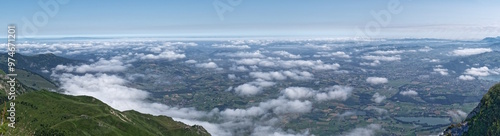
{"x": 336, "y": 19}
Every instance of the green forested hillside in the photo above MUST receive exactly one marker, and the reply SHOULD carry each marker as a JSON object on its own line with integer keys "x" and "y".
{"x": 50, "y": 113}
{"x": 487, "y": 120}
{"x": 484, "y": 120}
{"x": 45, "y": 113}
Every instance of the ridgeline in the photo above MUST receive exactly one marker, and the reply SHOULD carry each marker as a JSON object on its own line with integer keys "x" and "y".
{"x": 484, "y": 120}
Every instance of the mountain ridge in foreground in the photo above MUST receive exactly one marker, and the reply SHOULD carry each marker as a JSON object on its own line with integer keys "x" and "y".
{"x": 43, "y": 113}
{"x": 483, "y": 120}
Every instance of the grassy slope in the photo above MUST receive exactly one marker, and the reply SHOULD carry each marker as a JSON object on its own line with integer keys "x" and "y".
{"x": 487, "y": 121}
{"x": 49, "y": 113}
{"x": 33, "y": 80}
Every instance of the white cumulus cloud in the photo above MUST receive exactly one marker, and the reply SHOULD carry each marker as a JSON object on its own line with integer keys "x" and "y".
{"x": 382, "y": 58}
{"x": 466, "y": 77}
{"x": 252, "y": 88}
{"x": 256, "y": 54}
{"x": 470, "y": 51}
{"x": 441, "y": 71}
{"x": 102, "y": 65}
{"x": 336, "y": 92}
{"x": 378, "y": 98}
{"x": 287, "y": 54}
{"x": 481, "y": 71}
{"x": 168, "y": 55}
{"x": 211, "y": 65}
{"x": 409, "y": 93}
{"x": 369, "y": 130}
{"x": 376, "y": 80}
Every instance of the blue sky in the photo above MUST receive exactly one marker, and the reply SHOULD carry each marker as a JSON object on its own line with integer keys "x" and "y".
{"x": 453, "y": 19}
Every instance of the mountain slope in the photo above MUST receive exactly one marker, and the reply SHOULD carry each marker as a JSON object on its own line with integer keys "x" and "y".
{"x": 37, "y": 63}
{"x": 484, "y": 119}
{"x": 49, "y": 113}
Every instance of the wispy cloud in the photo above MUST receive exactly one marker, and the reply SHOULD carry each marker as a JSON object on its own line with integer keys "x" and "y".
{"x": 470, "y": 51}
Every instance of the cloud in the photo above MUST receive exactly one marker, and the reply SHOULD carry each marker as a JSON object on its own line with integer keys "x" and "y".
{"x": 168, "y": 55}
{"x": 334, "y": 66}
{"x": 379, "y": 52}
{"x": 282, "y": 75}
{"x": 336, "y": 92}
{"x": 178, "y": 44}
{"x": 377, "y": 109}
{"x": 232, "y": 76}
{"x": 369, "y": 130}
{"x": 376, "y": 80}
{"x": 466, "y": 77}
{"x": 271, "y": 131}
{"x": 381, "y": 58}
{"x": 248, "y": 90}
{"x": 238, "y": 68}
{"x": 231, "y": 46}
{"x": 125, "y": 97}
{"x": 374, "y": 63}
{"x": 482, "y": 71}
{"x": 102, "y": 65}
{"x": 340, "y": 93}
{"x": 339, "y": 54}
{"x": 73, "y": 52}
{"x": 212, "y": 128}
{"x": 191, "y": 61}
{"x": 287, "y": 54}
{"x": 457, "y": 115}
{"x": 256, "y": 54}
{"x": 470, "y": 51}
{"x": 111, "y": 90}
{"x": 441, "y": 71}
{"x": 229, "y": 89}
{"x": 377, "y": 98}
{"x": 425, "y": 49}
{"x": 252, "y": 61}
{"x": 155, "y": 49}
{"x": 278, "y": 106}
{"x": 434, "y": 60}
{"x": 251, "y": 42}
{"x": 298, "y": 92}
{"x": 290, "y": 106}
{"x": 409, "y": 93}
{"x": 134, "y": 76}
{"x": 347, "y": 113}
{"x": 316, "y": 65}
{"x": 100, "y": 46}
{"x": 298, "y": 75}
{"x": 252, "y": 88}
{"x": 210, "y": 65}
{"x": 268, "y": 75}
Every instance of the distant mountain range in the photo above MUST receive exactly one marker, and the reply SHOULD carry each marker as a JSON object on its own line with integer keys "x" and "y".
{"x": 491, "y": 39}
{"x": 38, "y": 63}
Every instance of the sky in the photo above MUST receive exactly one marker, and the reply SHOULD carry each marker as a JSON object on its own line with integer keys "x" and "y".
{"x": 448, "y": 19}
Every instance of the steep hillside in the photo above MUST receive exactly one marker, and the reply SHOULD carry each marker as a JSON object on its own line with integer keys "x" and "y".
{"x": 43, "y": 113}
{"x": 49, "y": 113}
{"x": 483, "y": 120}
{"x": 37, "y": 63}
